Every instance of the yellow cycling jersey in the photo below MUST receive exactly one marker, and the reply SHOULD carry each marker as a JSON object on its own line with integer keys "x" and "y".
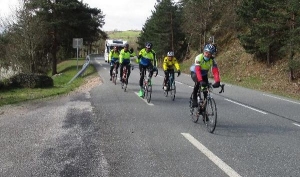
{"x": 113, "y": 54}
{"x": 124, "y": 55}
{"x": 169, "y": 64}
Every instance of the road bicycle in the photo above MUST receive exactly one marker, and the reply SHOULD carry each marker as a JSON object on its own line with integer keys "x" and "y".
{"x": 115, "y": 73}
{"x": 124, "y": 80}
{"x": 147, "y": 84}
{"x": 207, "y": 107}
{"x": 171, "y": 87}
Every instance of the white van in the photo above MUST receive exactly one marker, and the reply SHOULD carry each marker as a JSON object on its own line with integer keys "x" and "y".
{"x": 109, "y": 45}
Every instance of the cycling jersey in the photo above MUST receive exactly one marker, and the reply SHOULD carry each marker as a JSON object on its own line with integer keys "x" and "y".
{"x": 146, "y": 58}
{"x": 202, "y": 67}
{"x": 113, "y": 56}
{"x": 124, "y": 56}
{"x": 169, "y": 64}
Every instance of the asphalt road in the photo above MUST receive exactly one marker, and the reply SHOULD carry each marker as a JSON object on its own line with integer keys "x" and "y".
{"x": 108, "y": 132}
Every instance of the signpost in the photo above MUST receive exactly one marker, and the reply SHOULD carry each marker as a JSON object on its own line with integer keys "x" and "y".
{"x": 77, "y": 43}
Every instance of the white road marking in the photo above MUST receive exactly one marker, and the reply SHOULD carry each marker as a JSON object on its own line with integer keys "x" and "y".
{"x": 179, "y": 82}
{"x": 145, "y": 100}
{"x": 246, "y": 106}
{"x": 296, "y": 124}
{"x": 222, "y": 165}
{"x": 281, "y": 99}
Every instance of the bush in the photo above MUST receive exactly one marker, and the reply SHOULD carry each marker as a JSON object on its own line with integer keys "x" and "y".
{"x": 5, "y": 83}
{"x": 31, "y": 81}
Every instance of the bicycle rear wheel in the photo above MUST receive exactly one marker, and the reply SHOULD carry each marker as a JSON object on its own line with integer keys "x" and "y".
{"x": 210, "y": 118}
{"x": 194, "y": 112}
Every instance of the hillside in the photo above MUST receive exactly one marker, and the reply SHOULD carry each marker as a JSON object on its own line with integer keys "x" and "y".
{"x": 239, "y": 68}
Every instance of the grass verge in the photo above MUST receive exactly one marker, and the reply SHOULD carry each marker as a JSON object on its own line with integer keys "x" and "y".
{"x": 66, "y": 69}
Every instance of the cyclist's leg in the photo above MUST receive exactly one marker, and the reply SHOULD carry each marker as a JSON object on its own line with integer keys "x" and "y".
{"x": 111, "y": 68}
{"x": 128, "y": 70}
{"x": 173, "y": 74}
{"x": 205, "y": 79}
{"x": 196, "y": 88}
{"x": 166, "y": 78}
{"x": 117, "y": 66}
{"x": 121, "y": 70}
{"x": 142, "y": 74}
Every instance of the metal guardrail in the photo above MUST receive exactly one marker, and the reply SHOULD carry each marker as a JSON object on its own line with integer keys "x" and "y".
{"x": 85, "y": 65}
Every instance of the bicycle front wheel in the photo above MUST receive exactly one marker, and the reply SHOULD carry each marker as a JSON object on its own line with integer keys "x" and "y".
{"x": 173, "y": 91}
{"x": 149, "y": 92}
{"x": 210, "y": 118}
{"x": 114, "y": 77}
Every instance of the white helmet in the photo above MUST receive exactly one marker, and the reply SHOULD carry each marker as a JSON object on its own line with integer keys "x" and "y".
{"x": 170, "y": 54}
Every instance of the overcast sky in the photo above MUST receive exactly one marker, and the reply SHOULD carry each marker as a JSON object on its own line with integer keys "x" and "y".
{"x": 119, "y": 14}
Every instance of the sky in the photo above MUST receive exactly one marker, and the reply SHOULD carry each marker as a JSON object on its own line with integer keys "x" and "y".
{"x": 120, "y": 15}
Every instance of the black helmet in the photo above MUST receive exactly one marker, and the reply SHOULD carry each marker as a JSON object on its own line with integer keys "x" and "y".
{"x": 126, "y": 45}
{"x": 148, "y": 45}
{"x": 210, "y": 48}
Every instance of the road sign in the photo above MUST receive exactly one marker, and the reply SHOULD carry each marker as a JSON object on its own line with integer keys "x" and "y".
{"x": 77, "y": 42}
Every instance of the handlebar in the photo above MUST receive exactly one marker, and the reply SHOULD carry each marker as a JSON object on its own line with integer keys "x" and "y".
{"x": 210, "y": 87}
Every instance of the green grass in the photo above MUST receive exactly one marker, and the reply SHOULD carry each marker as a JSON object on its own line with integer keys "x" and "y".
{"x": 68, "y": 70}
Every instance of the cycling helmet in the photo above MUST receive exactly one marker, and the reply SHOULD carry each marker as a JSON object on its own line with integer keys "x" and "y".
{"x": 126, "y": 45}
{"x": 170, "y": 54}
{"x": 210, "y": 48}
{"x": 148, "y": 45}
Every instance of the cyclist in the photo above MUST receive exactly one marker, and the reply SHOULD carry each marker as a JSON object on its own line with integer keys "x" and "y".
{"x": 113, "y": 58}
{"x": 125, "y": 60}
{"x": 199, "y": 70}
{"x": 168, "y": 66}
{"x": 146, "y": 59}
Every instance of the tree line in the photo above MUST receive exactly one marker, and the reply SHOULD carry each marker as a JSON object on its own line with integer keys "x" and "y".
{"x": 268, "y": 29}
{"x": 43, "y": 30}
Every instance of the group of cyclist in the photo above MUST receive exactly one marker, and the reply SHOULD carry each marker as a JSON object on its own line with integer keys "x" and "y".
{"x": 147, "y": 60}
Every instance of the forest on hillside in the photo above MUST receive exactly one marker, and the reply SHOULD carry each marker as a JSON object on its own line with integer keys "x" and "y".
{"x": 268, "y": 30}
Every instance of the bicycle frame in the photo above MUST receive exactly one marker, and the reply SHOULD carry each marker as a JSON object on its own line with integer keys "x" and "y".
{"x": 171, "y": 87}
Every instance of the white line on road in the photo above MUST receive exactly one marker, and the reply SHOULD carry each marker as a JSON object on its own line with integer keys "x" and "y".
{"x": 145, "y": 100}
{"x": 281, "y": 99}
{"x": 246, "y": 106}
{"x": 222, "y": 165}
{"x": 296, "y": 124}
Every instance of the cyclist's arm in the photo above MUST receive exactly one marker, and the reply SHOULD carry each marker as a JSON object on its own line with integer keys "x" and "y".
{"x": 177, "y": 66}
{"x": 121, "y": 57}
{"x": 215, "y": 71}
{"x": 165, "y": 67}
{"x": 109, "y": 56}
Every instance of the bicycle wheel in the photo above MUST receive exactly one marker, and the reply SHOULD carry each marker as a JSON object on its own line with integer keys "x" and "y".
{"x": 149, "y": 91}
{"x": 173, "y": 91}
{"x": 210, "y": 116}
{"x": 194, "y": 113}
